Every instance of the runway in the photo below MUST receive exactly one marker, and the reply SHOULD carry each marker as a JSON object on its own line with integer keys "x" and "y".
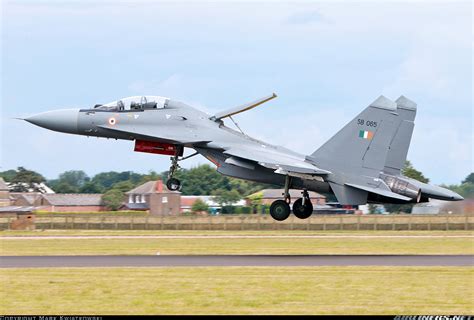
{"x": 234, "y": 260}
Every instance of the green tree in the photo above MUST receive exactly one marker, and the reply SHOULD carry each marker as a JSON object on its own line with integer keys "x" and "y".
{"x": 25, "y": 180}
{"x": 409, "y": 171}
{"x": 8, "y": 175}
{"x": 151, "y": 176}
{"x": 113, "y": 199}
{"x": 469, "y": 178}
{"x": 199, "y": 206}
{"x": 108, "y": 179}
{"x": 225, "y": 197}
{"x": 201, "y": 180}
{"x": 91, "y": 187}
{"x": 256, "y": 200}
{"x": 465, "y": 189}
{"x": 124, "y": 186}
{"x": 64, "y": 187}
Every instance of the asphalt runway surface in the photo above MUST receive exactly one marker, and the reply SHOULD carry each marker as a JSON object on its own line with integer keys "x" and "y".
{"x": 234, "y": 260}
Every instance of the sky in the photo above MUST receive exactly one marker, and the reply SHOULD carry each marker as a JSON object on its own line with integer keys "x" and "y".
{"x": 326, "y": 61}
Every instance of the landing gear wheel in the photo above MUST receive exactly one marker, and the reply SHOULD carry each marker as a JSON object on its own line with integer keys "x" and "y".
{"x": 173, "y": 184}
{"x": 280, "y": 210}
{"x": 302, "y": 211}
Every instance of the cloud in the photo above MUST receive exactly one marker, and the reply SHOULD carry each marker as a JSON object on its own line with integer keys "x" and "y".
{"x": 305, "y": 17}
{"x": 325, "y": 60}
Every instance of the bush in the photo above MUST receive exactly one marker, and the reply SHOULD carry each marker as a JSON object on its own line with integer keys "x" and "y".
{"x": 228, "y": 209}
{"x": 246, "y": 210}
{"x": 113, "y": 199}
{"x": 199, "y": 206}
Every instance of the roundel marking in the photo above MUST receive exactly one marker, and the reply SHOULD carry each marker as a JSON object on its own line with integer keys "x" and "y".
{"x": 112, "y": 121}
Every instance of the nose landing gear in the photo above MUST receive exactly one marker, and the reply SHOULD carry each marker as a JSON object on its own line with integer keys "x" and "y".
{"x": 173, "y": 184}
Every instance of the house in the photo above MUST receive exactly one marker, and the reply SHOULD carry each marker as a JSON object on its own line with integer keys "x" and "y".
{"x": 270, "y": 195}
{"x": 153, "y": 196}
{"x": 71, "y": 202}
{"x": 4, "y": 194}
{"x": 25, "y": 198}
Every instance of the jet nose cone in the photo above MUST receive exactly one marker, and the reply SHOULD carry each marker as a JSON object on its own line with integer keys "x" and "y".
{"x": 57, "y": 120}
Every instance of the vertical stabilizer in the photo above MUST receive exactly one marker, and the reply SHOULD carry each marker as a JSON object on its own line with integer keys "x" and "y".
{"x": 397, "y": 153}
{"x": 363, "y": 143}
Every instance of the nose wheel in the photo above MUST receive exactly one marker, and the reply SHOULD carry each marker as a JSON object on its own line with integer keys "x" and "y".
{"x": 173, "y": 184}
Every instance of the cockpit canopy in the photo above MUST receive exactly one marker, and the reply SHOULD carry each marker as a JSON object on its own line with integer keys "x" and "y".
{"x": 135, "y": 103}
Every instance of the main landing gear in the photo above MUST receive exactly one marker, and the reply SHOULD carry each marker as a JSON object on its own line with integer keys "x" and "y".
{"x": 302, "y": 208}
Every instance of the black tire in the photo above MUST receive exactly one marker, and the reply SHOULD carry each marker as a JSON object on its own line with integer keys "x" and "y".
{"x": 302, "y": 211}
{"x": 173, "y": 184}
{"x": 280, "y": 210}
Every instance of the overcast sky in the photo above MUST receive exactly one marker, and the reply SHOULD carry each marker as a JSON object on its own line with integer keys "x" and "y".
{"x": 326, "y": 61}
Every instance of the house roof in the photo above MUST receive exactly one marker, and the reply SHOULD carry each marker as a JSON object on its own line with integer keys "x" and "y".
{"x": 30, "y": 197}
{"x": 3, "y": 185}
{"x": 278, "y": 194}
{"x": 74, "y": 199}
{"x": 151, "y": 187}
{"x": 136, "y": 206}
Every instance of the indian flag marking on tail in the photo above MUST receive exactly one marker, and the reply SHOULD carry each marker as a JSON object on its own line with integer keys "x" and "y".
{"x": 366, "y": 134}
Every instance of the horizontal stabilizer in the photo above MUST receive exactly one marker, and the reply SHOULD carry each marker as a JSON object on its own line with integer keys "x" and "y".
{"x": 382, "y": 192}
{"x": 242, "y": 108}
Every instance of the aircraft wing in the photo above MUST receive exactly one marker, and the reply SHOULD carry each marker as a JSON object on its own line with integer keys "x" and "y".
{"x": 278, "y": 160}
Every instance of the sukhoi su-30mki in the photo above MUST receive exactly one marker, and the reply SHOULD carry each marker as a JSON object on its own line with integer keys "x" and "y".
{"x": 361, "y": 163}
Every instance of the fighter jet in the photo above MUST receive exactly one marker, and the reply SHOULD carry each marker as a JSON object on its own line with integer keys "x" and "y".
{"x": 360, "y": 164}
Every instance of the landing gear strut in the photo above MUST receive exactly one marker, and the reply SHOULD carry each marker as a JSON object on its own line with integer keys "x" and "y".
{"x": 303, "y": 208}
{"x": 173, "y": 184}
{"x": 280, "y": 209}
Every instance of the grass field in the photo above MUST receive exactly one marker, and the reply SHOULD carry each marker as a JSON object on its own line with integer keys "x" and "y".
{"x": 242, "y": 290}
{"x": 326, "y": 243}
{"x": 59, "y": 232}
{"x": 238, "y": 290}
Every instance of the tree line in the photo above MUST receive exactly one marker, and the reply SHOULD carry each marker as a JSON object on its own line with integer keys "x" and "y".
{"x": 200, "y": 180}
